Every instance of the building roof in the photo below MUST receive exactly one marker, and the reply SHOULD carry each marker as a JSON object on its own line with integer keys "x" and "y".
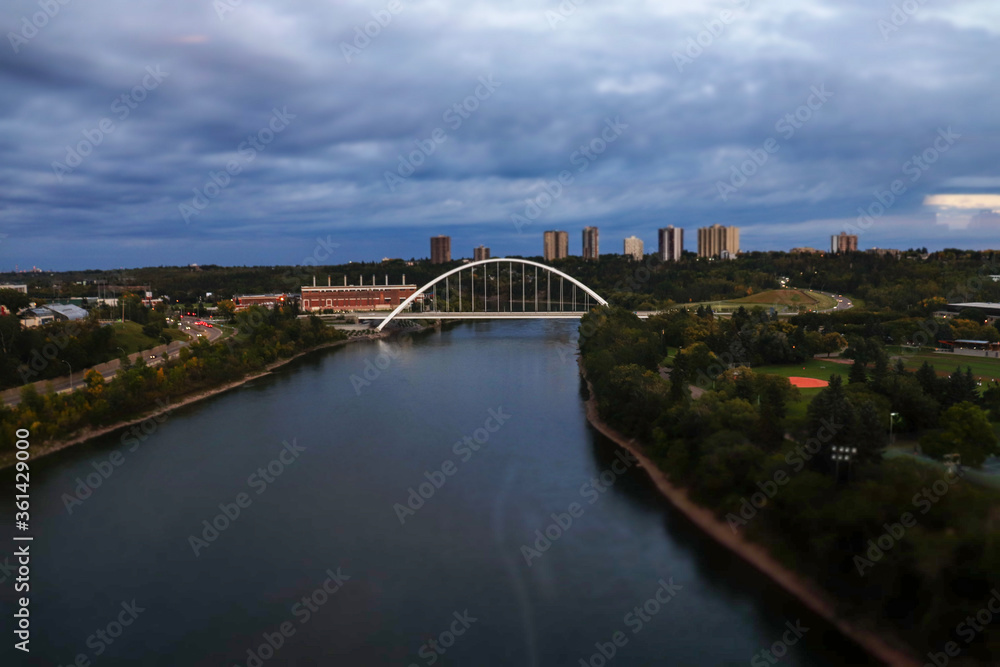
{"x": 70, "y": 312}
{"x": 975, "y": 304}
{"x": 40, "y": 311}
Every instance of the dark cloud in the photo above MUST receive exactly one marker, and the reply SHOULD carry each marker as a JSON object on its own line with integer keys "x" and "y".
{"x": 560, "y": 78}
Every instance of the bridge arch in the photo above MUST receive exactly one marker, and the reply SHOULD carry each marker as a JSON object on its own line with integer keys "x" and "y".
{"x": 493, "y": 260}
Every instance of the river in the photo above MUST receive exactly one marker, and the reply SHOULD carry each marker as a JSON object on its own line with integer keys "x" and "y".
{"x": 332, "y": 561}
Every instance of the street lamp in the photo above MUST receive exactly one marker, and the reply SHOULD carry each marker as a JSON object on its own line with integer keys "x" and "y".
{"x": 892, "y": 418}
{"x": 70, "y": 374}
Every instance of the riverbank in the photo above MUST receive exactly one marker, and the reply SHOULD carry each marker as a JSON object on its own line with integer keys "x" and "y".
{"x": 805, "y": 591}
{"x": 90, "y": 433}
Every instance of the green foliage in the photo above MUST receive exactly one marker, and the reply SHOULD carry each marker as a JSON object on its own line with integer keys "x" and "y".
{"x": 729, "y": 446}
{"x": 267, "y": 337}
{"x": 966, "y": 430}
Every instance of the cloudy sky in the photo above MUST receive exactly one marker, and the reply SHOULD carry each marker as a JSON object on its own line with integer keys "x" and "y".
{"x": 242, "y": 131}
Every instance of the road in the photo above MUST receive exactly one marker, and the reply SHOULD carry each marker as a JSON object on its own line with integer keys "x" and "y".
{"x": 109, "y": 368}
{"x": 843, "y": 303}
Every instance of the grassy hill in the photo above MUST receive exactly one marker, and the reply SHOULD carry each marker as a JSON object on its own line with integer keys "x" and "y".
{"x": 783, "y": 300}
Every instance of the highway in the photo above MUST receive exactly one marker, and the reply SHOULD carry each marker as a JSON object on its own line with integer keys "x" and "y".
{"x": 843, "y": 303}
{"x": 109, "y": 368}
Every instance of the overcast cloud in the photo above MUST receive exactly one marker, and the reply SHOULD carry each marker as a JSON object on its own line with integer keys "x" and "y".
{"x": 310, "y": 118}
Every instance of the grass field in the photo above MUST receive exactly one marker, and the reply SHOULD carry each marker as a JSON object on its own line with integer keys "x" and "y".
{"x": 783, "y": 300}
{"x": 130, "y": 337}
{"x": 820, "y": 369}
{"x": 945, "y": 364}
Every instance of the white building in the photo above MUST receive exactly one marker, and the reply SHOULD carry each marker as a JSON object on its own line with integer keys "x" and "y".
{"x": 633, "y": 248}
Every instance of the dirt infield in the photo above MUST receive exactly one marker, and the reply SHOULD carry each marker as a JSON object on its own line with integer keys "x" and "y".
{"x": 808, "y": 383}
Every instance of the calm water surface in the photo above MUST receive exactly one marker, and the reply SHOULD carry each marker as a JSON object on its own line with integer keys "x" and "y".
{"x": 355, "y": 449}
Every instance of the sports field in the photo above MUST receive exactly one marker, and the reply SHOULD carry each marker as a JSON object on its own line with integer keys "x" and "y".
{"x": 818, "y": 369}
{"x": 782, "y": 300}
{"x": 945, "y": 363}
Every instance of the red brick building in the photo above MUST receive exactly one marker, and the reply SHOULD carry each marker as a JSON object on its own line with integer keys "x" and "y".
{"x": 349, "y": 298}
{"x": 244, "y": 301}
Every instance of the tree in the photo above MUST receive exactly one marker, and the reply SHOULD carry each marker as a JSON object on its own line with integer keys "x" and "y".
{"x": 961, "y": 388}
{"x": 858, "y": 374}
{"x": 929, "y": 381}
{"x": 13, "y": 300}
{"x": 833, "y": 342}
{"x": 831, "y": 413}
{"x": 227, "y": 310}
{"x": 880, "y": 374}
{"x": 869, "y": 433}
{"x": 966, "y": 430}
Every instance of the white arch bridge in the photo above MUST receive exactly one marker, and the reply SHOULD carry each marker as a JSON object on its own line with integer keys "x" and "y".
{"x": 504, "y": 293}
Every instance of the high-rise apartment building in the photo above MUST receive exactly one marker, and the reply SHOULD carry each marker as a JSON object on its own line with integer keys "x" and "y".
{"x": 633, "y": 248}
{"x": 482, "y": 252}
{"x": 590, "y": 243}
{"x": 671, "y": 243}
{"x": 556, "y": 245}
{"x": 440, "y": 249}
{"x": 719, "y": 241}
{"x": 844, "y": 242}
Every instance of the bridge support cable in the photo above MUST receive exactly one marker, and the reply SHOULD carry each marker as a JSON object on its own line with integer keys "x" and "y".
{"x": 428, "y": 294}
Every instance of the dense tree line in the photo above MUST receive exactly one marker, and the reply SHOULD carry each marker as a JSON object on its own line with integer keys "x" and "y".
{"x": 262, "y": 337}
{"x": 910, "y": 285}
{"x": 841, "y": 522}
{"x": 42, "y": 353}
